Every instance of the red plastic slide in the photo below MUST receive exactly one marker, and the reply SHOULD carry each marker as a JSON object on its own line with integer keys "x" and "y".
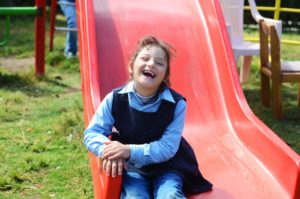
{"x": 241, "y": 156}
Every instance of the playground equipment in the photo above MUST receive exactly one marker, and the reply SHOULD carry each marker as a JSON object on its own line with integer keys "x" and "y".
{"x": 277, "y": 9}
{"x": 233, "y": 11}
{"x": 275, "y": 70}
{"x": 7, "y": 32}
{"x": 52, "y": 22}
{"x": 240, "y": 155}
{"x": 40, "y": 12}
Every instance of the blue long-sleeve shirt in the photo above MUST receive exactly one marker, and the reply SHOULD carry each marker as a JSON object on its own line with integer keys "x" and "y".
{"x": 100, "y": 127}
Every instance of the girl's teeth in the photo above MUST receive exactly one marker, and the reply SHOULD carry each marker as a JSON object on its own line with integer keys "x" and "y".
{"x": 148, "y": 74}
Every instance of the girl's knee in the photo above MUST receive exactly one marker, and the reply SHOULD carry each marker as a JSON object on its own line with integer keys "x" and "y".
{"x": 170, "y": 194}
{"x": 169, "y": 186}
{"x": 134, "y": 195}
{"x": 135, "y": 186}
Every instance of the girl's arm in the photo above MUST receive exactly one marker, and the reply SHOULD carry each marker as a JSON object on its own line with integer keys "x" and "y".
{"x": 96, "y": 136}
{"x": 100, "y": 127}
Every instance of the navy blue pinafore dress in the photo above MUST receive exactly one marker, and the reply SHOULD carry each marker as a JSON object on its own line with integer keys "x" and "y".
{"x": 137, "y": 127}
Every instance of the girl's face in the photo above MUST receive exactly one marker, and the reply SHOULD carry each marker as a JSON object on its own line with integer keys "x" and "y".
{"x": 149, "y": 69}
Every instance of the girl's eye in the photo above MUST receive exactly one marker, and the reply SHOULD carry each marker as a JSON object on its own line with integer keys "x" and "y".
{"x": 144, "y": 58}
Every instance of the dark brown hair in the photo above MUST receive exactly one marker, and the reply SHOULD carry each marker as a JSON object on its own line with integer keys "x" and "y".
{"x": 152, "y": 41}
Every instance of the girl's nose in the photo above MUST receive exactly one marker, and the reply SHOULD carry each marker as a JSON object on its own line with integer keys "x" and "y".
{"x": 150, "y": 62}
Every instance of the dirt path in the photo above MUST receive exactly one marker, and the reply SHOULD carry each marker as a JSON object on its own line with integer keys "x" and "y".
{"x": 13, "y": 64}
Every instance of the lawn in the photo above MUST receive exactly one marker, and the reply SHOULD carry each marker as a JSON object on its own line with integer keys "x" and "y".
{"x": 41, "y": 149}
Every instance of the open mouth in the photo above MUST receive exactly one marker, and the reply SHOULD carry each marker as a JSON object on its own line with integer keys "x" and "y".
{"x": 148, "y": 73}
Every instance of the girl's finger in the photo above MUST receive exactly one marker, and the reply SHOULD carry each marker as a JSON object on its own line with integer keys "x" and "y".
{"x": 108, "y": 148}
{"x": 124, "y": 164}
{"x": 114, "y": 168}
{"x": 104, "y": 164}
{"x": 120, "y": 166}
{"x": 107, "y": 154}
{"x": 114, "y": 156}
{"x": 108, "y": 167}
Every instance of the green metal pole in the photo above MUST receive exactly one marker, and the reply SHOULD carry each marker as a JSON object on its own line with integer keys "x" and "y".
{"x": 18, "y": 11}
{"x": 6, "y": 36}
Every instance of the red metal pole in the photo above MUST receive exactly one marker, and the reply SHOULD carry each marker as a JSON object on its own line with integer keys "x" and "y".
{"x": 52, "y": 23}
{"x": 40, "y": 31}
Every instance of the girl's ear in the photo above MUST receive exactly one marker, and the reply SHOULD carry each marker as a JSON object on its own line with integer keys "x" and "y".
{"x": 130, "y": 70}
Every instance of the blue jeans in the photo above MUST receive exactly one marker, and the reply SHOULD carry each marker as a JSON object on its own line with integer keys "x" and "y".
{"x": 71, "y": 39}
{"x": 166, "y": 186}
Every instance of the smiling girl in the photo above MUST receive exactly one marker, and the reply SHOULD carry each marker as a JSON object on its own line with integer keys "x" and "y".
{"x": 148, "y": 148}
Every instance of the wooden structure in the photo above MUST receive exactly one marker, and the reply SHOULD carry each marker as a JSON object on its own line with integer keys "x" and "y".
{"x": 274, "y": 72}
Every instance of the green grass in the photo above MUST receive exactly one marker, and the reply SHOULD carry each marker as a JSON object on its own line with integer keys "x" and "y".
{"x": 41, "y": 149}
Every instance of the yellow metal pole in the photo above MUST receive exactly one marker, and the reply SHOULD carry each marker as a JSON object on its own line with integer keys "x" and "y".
{"x": 293, "y": 10}
{"x": 263, "y": 8}
{"x": 284, "y": 41}
{"x": 277, "y": 9}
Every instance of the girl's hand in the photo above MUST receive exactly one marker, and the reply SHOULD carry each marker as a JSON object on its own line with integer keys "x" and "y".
{"x": 113, "y": 167}
{"x": 115, "y": 150}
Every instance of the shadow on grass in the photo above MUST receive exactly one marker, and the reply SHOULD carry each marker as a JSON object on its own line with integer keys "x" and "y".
{"x": 28, "y": 84}
{"x": 290, "y": 109}
{"x": 288, "y": 128}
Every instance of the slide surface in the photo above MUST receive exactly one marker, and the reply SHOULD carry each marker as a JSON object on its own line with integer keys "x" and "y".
{"x": 241, "y": 156}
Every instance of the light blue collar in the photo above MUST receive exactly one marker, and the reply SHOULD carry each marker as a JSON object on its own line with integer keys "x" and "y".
{"x": 165, "y": 95}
